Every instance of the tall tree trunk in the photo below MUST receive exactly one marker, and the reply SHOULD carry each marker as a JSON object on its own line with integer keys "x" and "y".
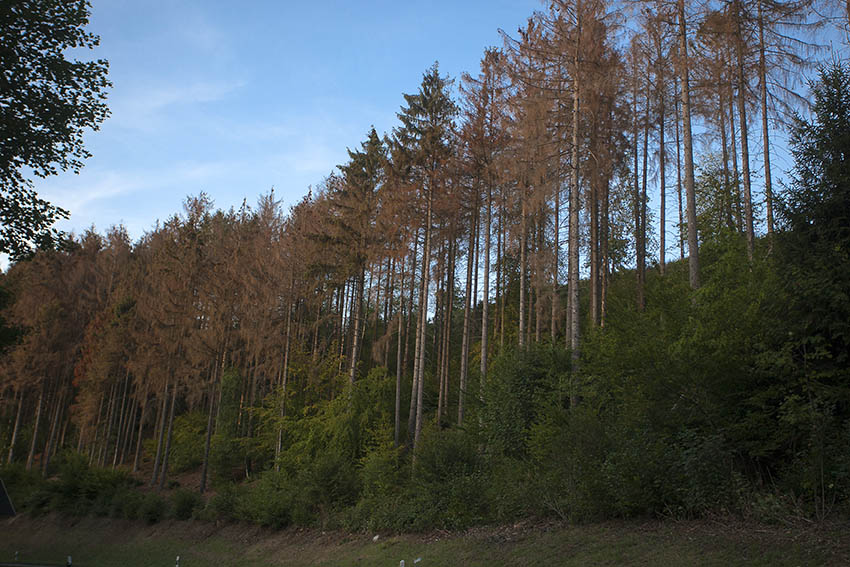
{"x": 768, "y": 182}
{"x": 284, "y": 377}
{"x": 167, "y": 452}
{"x": 523, "y": 267}
{"x": 110, "y": 412}
{"x": 724, "y": 143}
{"x": 33, "y": 442}
{"x": 485, "y": 300}
{"x": 745, "y": 146}
{"x": 127, "y": 445}
{"x": 15, "y": 427}
{"x": 662, "y": 172}
{"x": 162, "y": 422}
{"x": 735, "y": 171}
{"x": 465, "y": 340}
{"x": 593, "y": 218}
{"x": 405, "y": 363}
{"x": 419, "y": 343}
{"x": 426, "y": 273}
{"x": 357, "y": 332}
{"x": 605, "y": 253}
{"x": 500, "y": 272}
{"x": 141, "y": 429}
{"x": 680, "y": 234}
{"x": 121, "y": 418}
{"x": 399, "y": 360}
{"x": 641, "y": 220}
{"x": 556, "y": 250}
{"x": 693, "y": 242}
{"x": 637, "y": 208}
{"x": 448, "y": 333}
{"x": 58, "y": 397}
{"x": 575, "y": 204}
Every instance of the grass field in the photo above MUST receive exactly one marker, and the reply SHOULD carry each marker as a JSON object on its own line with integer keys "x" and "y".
{"x": 99, "y": 542}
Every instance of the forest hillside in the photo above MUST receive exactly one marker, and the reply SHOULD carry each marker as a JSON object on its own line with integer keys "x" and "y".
{"x": 489, "y": 313}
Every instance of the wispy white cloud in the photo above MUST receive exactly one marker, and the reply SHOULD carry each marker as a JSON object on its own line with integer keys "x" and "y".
{"x": 145, "y": 108}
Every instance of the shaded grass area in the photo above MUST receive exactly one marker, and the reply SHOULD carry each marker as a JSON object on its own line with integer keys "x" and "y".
{"x": 104, "y": 543}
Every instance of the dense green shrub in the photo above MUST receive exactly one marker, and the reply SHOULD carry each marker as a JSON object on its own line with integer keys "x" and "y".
{"x": 184, "y": 503}
{"x": 153, "y": 508}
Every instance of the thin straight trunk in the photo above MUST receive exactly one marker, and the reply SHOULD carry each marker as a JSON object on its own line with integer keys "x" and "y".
{"x": 419, "y": 344}
{"x": 593, "y": 206}
{"x": 573, "y": 231}
{"x": 426, "y": 254}
{"x": 65, "y": 422}
{"x": 167, "y": 451}
{"x": 662, "y": 171}
{"x": 485, "y": 300}
{"x": 523, "y": 268}
{"x": 680, "y": 236}
{"x": 340, "y": 320}
{"x": 464, "y": 349}
{"x": 110, "y": 413}
{"x": 530, "y": 292}
{"x": 346, "y": 302}
{"x": 389, "y": 290}
{"x": 411, "y": 415}
{"x": 693, "y": 245}
{"x": 745, "y": 146}
{"x": 58, "y": 398}
{"x": 161, "y": 434}
{"x": 356, "y": 333}
{"x": 388, "y": 308}
{"x": 122, "y": 419}
{"x": 284, "y": 376}
{"x": 768, "y": 182}
{"x": 603, "y": 307}
{"x": 553, "y": 324}
{"x": 93, "y": 445}
{"x": 593, "y": 218}
{"x": 447, "y": 334}
{"x": 476, "y": 265}
{"x": 538, "y": 278}
{"x": 314, "y": 350}
{"x": 211, "y": 415}
{"x": 399, "y": 360}
{"x": 439, "y": 301}
{"x": 33, "y": 443}
{"x": 127, "y": 445}
{"x": 641, "y": 220}
{"x": 141, "y": 428}
{"x": 724, "y": 143}
{"x": 11, "y": 453}
{"x": 735, "y": 172}
{"x": 413, "y": 263}
{"x": 636, "y": 160}
{"x": 500, "y": 272}
{"x": 442, "y": 304}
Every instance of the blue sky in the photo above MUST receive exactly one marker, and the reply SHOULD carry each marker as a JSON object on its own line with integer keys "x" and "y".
{"x": 234, "y": 98}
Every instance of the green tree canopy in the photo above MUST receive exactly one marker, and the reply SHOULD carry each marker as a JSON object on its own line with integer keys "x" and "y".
{"x": 47, "y": 101}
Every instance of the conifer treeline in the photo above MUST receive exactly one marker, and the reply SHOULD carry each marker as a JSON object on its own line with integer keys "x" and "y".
{"x": 466, "y": 230}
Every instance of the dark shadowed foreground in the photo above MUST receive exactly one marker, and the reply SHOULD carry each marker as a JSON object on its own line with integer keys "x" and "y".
{"x": 106, "y": 543}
